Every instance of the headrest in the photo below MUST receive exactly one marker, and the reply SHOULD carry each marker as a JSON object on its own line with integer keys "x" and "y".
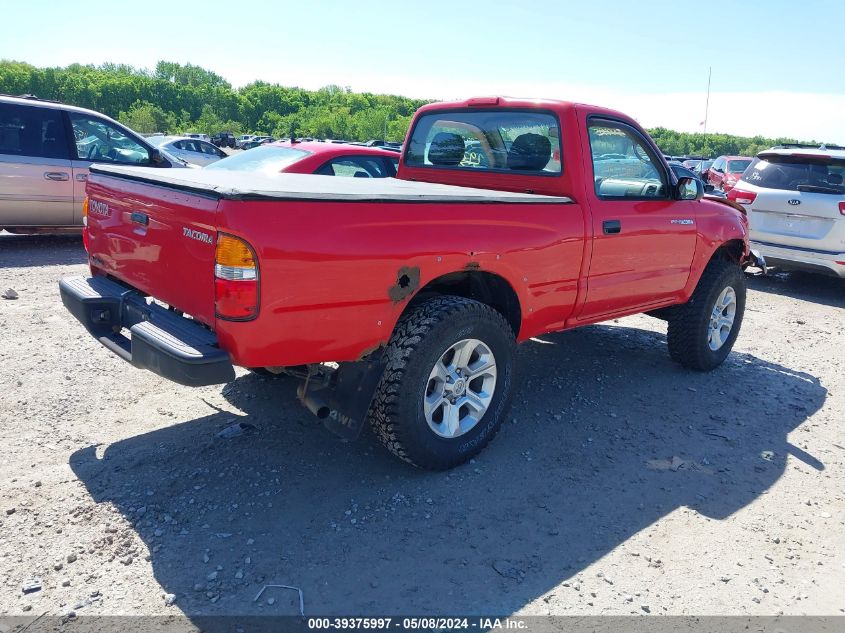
{"x": 529, "y": 152}
{"x": 446, "y": 149}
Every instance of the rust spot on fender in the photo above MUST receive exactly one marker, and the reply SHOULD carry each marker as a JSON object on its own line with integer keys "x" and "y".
{"x": 407, "y": 281}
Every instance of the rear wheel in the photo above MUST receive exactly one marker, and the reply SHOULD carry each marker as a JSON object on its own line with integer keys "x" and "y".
{"x": 447, "y": 383}
{"x": 702, "y": 331}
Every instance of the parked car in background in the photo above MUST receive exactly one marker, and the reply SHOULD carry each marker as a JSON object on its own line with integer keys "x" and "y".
{"x": 256, "y": 141}
{"x": 701, "y": 169}
{"x": 795, "y": 199}
{"x": 326, "y": 159}
{"x": 46, "y": 149}
{"x": 191, "y": 150}
{"x": 243, "y": 138}
{"x": 682, "y": 172}
{"x": 223, "y": 139}
{"x": 726, "y": 170}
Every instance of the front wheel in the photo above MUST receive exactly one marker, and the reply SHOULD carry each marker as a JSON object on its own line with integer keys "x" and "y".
{"x": 702, "y": 331}
{"x": 447, "y": 384}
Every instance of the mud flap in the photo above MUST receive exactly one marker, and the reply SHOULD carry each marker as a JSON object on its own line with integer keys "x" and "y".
{"x": 348, "y": 396}
{"x": 756, "y": 259}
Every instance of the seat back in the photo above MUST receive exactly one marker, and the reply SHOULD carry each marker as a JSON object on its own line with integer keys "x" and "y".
{"x": 529, "y": 152}
{"x": 446, "y": 148}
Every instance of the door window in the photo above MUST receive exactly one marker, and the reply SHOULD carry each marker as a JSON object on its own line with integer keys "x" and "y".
{"x": 208, "y": 148}
{"x": 32, "y": 131}
{"x": 97, "y": 140}
{"x": 355, "y": 167}
{"x": 624, "y": 165}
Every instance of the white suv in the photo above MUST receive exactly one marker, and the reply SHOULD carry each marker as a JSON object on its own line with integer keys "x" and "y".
{"x": 795, "y": 199}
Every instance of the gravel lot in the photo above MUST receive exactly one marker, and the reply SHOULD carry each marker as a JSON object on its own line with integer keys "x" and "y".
{"x": 620, "y": 483}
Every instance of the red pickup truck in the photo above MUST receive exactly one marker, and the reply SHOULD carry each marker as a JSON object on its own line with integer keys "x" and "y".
{"x": 400, "y": 301}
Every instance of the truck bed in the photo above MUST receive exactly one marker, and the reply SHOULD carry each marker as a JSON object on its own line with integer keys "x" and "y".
{"x": 232, "y": 185}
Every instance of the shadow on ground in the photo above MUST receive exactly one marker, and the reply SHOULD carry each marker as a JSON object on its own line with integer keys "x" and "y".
{"x": 608, "y": 437}
{"x": 22, "y": 251}
{"x": 816, "y": 288}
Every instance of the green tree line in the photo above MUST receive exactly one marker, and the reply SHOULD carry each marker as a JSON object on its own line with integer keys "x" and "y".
{"x": 186, "y": 98}
{"x": 179, "y": 98}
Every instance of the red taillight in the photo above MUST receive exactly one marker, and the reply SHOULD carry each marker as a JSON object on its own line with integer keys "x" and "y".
{"x": 742, "y": 197}
{"x": 236, "y": 300}
{"x": 842, "y": 207}
{"x": 236, "y": 279}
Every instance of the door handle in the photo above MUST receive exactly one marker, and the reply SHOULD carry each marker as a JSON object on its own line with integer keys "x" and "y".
{"x": 611, "y": 227}
{"x": 81, "y": 177}
{"x": 56, "y": 175}
{"x": 140, "y": 218}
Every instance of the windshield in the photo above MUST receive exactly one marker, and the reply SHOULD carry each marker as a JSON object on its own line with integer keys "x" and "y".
{"x": 737, "y": 166}
{"x": 821, "y": 174}
{"x": 265, "y": 158}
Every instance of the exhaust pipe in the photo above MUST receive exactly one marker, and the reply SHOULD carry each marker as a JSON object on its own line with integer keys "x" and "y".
{"x": 315, "y": 404}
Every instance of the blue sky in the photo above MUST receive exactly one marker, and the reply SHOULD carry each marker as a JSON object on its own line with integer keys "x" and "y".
{"x": 778, "y": 68}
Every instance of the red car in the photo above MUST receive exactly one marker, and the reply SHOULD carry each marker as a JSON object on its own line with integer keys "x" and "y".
{"x": 726, "y": 171}
{"x": 327, "y": 159}
{"x": 400, "y": 301}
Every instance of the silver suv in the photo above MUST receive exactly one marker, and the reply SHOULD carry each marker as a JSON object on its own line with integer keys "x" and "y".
{"x": 45, "y": 151}
{"x": 795, "y": 199}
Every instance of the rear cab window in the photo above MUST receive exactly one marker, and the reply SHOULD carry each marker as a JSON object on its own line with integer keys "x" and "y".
{"x": 503, "y": 141}
{"x": 816, "y": 174}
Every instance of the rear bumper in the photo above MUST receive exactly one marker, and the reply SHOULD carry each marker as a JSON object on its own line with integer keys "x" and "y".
{"x": 172, "y": 346}
{"x": 796, "y": 258}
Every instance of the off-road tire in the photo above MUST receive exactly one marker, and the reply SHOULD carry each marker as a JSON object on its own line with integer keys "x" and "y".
{"x": 688, "y": 324}
{"x": 420, "y": 338}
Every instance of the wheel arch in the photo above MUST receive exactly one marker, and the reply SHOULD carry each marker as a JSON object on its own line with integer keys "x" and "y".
{"x": 732, "y": 250}
{"x": 483, "y": 286}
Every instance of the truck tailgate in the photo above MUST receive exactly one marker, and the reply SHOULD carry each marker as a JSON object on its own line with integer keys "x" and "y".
{"x": 156, "y": 239}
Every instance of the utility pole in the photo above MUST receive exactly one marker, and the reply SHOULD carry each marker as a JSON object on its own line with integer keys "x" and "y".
{"x": 707, "y": 102}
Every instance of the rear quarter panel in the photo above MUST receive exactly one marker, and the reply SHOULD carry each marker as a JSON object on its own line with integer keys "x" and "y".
{"x": 329, "y": 270}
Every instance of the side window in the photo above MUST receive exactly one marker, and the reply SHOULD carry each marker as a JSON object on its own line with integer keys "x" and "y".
{"x": 32, "y": 131}
{"x": 719, "y": 165}
{"x": 179, "y": 144}
{"x": 524, "y": 141}
{"x": 354, "y": 167}
{"x": 208, "y": 148}
{"x": 98, "y": 140}
{"x": 624, "y": 166}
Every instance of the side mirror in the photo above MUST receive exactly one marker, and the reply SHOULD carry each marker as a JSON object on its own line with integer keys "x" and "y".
{"x": 156, "y": 157}
{"x": 689, "y": 189}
